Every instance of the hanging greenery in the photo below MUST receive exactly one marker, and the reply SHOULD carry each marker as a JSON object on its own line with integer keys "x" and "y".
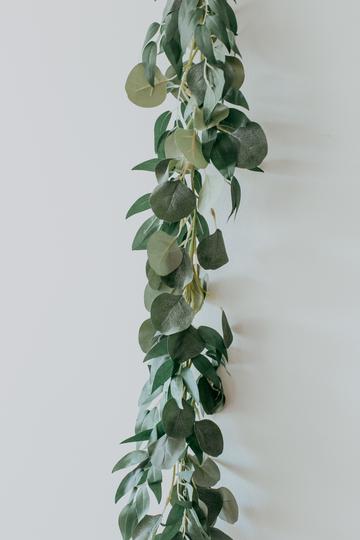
{"x": 207, "y": 126}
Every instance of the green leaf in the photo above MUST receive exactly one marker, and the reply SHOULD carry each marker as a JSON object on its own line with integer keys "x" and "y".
{"x": 155, "y": 481}
{"x": 163, "y": 374}
{"x": 140, "y": 205}
{"x": 208, "y": 140}
{"x": 202, "y": 228}
{"x": 234, "y": 120}
{"x": 212, "y": 397}
{"x": 147, "y": 527}
{"x": 219, "y": 114}
{"x": 204, "y": 42}
{"x": 171, "y": 314}
{"x": 209, "y": 437}
{"x": 128, "y": 483}
{"x": 213, "y": 502}
{"x": 177, "y": 390}
{"x": 149, "y": 61}
{"x": 178, "y": 423}
{"x": 164, "y": 253}
{"x": 149, "y": 296}
{"x": 212, "y": 339}
{"x": 172, "y": 201}
{"x": 160, "y": 128}
{"x": 139, "y": 437}
{"x": 230, "y": 509}
{"x": 167, "y": 452}
{"x": 234, "y": 74}
{"x": 189, "y": 17}
{"x": 182, "y": 276}
{"x": 141, "y": 92}
{"x": 207, "y": 475}
{"x": 196, "y": 82}
{"x": 152, "y": 31}
{"x": 146, "y": 335}
{"x": 252, "y": 145}
{"x": 227, "y": 333}
{"x": 194, "y": 445}
{"x": 159, "y": 349}
{"x": 147, "y": 229}
{"x": 211, "y": 252}
{"x": 149, "y": 165}
{"x": 217, "y": 27}
{"x": 128, "y": 521}
{"x": 190, "y": 146}
{"x": 236, "y": 97}
{"x": 235, "y": 197}
{"x": 205, "y": 367}
{"x": 216, "y": 534}
{"x": 132, "y": 458}
{"x": 185, "y": 345}
{"x": 224, "y": 154}
{"x": 210, "y": 194}
{"x": 172, "y": 152}
{"x": 142, "y": 502}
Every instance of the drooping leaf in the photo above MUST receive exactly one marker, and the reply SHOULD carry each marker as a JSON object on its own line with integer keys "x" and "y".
{"x": 152, "y": 31}
{"x": 142, "y": 502}
{"x": 216, "y": 534}
{"x": 146, "y": 335}
{"x": 132, "y": 458}
{"x": 235, "y": 196}
{"x": 234, "y": 120}
{"x": 191, "y": 384}
{"x": 211, "y": 251}
{"x": 128, "y": 483}
{"x": 147, "y": 229}
{"x": 234, "y": 74}
{"x": 140, "y": 205}
{"x": 196, "y": 82}
{"x": 160, "y": 128}
{"x": 209, "y": 437}
{"x": 158, "y": 350}
{"x": 236, "y": 97}
{"x": 202, "y": 229}
{"x": 230, "y": 509}
{"x": 206, "y": 475}
{"x": 141, "y": 436}
{"x": 189, "y": 17}
{"x": 154, "y": 480}
{"x": 164, "y": 253}
{"x": 217, "y": 27}
{"x": 212, "y": 338}
{"x": 220, "y": 112}
{"x": 172, "y": 201}
{"x": 224, "y": 154}
{"x": 204, "y": 42}
{"x": 210, "y": 194}
{"x": 190, "y": 146}
{"x": 205, "y": 367}
{"x": 141, "y": 92}
{"x": 227, "y": 333}
{"x": 148, "y": 165}
{"x": 178, "y": 423}
{"x": 147, "y": 527}
{"x": 149, "y": 61}
{"x": 212, "y": 396}
{"x": 163, "y": 374}
{"x": 128, "y": 521}
{"x": 185, "y": 345}
{"x": 171, "y": 314}
{"x": 213, "y": 501}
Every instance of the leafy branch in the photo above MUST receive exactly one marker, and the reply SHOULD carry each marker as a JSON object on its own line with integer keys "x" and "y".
{"x": 208, "y": 126}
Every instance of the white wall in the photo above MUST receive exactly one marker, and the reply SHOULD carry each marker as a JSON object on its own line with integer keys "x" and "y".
{"x": 71, "y": 290}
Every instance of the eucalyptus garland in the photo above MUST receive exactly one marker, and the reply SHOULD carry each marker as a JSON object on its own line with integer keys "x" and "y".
{"x": 208, "y": 126}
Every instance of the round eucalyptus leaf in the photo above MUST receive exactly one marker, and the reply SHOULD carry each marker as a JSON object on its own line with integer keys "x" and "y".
{"x": 171, "y": 313}
{"x": 209, "y": 437}
{"x": 164, "y": 253}
{"x": 212, "y": 397}
{"x": 146, "y": 335}
{"x": 213, "y": 502}
{"x": 190, "y": 146}
{"x": 224, "y": 154}
{"x": 154, "y": 280}
{"x": 212, "y": 252}
{"x": 207, "y": 475}
{"x": 230, "y": 509}
{"x": 172, "y": 201}
{"x": 182, "y": 276}
{"x": 178, "y": 423}
{"x": 252, "y": 147}
{"x": 185, "y": 345}
{"x": 149, "y": 296}
{"x": 234, "y": 120}
{"x": 140, "y": 91}
{"x": 234, "y": 74}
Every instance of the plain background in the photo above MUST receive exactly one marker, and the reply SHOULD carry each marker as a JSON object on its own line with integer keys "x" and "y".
{"x": 71, "y": 290}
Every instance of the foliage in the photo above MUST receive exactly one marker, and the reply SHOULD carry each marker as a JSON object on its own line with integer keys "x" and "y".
{"x": 208, "y": 126}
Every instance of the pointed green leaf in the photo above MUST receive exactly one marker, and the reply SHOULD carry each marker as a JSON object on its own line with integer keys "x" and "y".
{"x": 140, "y": 205}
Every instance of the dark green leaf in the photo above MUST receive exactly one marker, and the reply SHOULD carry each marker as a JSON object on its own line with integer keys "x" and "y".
{"x": 227, "y": 333}
{"x": 182, "y": 276}
{"x": 178, "y": 423}
{"x": 147, "y": 229}
{"x": 235, "y": 196}
{"x": 230, "y": 509}
{"x": 147, "y": 527}
{"x": 211, "y": 251}
{"x": 206, "y": 475}
{"x": 142, "y": 204}
{"x": 132, "y": 458}
{"x": 160, "y": 128}
{"x": 204, "y": 42}
{"x": 212, "y": 397}
{"x": 218, "y": 28}
{"x": 159, "y": 349}
{"x": 196, "y": 82}
{"x": 234, "y": 120}
{"x": 163, "y": 374}
{"x": 213, "y": 501}
{"x": 236, "y": 97}
{"x": 152, "y": 31}
{"x": 142, "y": 502}
{"x": 194, "y": 445}
{"x": 234, "y": 74}
{"x": 128, "y": 483}
{"x": 185, "y": 345}
{"x": 171, "y": 314}
{"x": 202, "y": 229}
{"x": 149, "y": 61}
{"x": 146, "y": 335}
{"x": 128, "y": 521}
{"x": 208, "y": 141}
{"x": 172, "y": 201}
{"x": 167, "y": 452}
{"x": 224, "y": 154}
{"x": 212, "y": 338}
{"x": 209, "y": 437}
{"x": 189, "y": 17}
{"x": 148, "y": 165}
{"x": 216, "y": 534}
{"x": 141, "y": 436}
{"x": 252, "y": 145}
{"x": 155, "y": 481}
{"x": 205, "y": 367}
